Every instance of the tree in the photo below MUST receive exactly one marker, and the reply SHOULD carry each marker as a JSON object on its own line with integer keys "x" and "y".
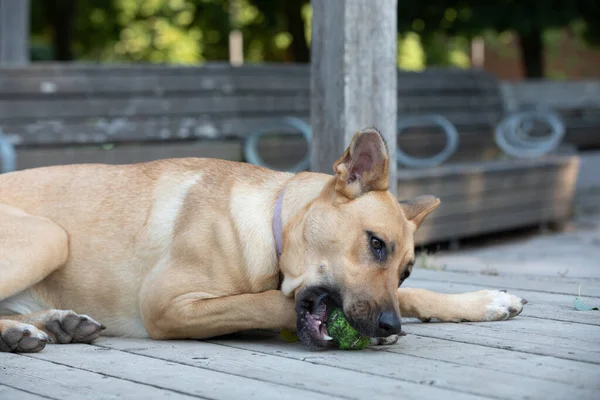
{"x": 528, "y": 19}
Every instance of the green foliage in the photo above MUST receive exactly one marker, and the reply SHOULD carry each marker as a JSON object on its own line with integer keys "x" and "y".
{"x": 433, "y": 32}
{"x": 469, "y": 18}
{"x": 177, "y": 31}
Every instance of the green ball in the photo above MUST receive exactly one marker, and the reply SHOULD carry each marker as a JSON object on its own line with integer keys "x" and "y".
{"x": 344, "y": 335}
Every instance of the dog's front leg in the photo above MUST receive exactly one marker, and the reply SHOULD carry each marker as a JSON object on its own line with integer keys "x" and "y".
{"x": 479, "y": 306}
{"x": 192, "y": 316}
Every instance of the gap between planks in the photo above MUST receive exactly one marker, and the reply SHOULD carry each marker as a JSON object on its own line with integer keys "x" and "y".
{"x": 275, "y": 375}
{"x": 54, "y": 380}
{"x": 9, "y": 392}
{"x": 426, "y": 372}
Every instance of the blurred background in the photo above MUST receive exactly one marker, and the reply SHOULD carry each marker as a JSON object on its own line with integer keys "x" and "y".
{"x": 498, "y": 101}
{"x": 556, "y": 39}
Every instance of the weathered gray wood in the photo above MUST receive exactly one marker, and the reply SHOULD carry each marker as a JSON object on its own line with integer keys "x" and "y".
{"x": 448, "y": 182}
{"x": 55, "y": 381}
{"x": 10, "y": 393}
{"x": 147, "y": 106}
{"x": 538, "y": 366}
{"x": 493, "y": 220}
{"x": 98, "y": 128}
{"x": 126, "y": 154}
{"x": 353, "y": 82}
{"x": 582, "y": 334}
{"x": 578, "y": 102}
{"x": 56, "y": 79}
{"x": 544, "y": 284}
{"x": 516, "y": 341}
{"x": 14, "y": 32}
{"x": 450, "y": 375}
{"x": 280, "y": 370}
{"x": 172, "y": 376}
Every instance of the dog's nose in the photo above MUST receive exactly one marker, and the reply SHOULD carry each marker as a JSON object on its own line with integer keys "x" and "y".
{"x": 389, "y": 324}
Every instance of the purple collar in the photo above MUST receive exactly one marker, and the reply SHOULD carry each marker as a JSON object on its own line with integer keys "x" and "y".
{"x": 278, "y": 225}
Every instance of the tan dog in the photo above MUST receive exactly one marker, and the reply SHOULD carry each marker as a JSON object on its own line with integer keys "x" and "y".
{"x": 187, "y": 248}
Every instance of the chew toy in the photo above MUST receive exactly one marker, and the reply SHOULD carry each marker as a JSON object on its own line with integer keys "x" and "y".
{"x": 344, "y": 335}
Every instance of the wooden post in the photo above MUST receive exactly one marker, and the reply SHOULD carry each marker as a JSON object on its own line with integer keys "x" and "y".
{"x": 353, "y": 77}
{"x": 14, "y": 32}
{"x": 236, "y": 39}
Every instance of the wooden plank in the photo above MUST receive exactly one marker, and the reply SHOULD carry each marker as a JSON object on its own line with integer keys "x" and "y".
{"x": 457, "y": 184}
{"x": 462, "y": 226}
{"x": 179, "y": 378}
{"x": 134, "y": 129}
{"x": 473, "y": 379}
{"x": 14, "y": 32}
{"x": 99, "y": 129}
{"x": 580, "y": 334}
{"x": 94, "y": 107}
{"x": 56, "y": 381}
{"x": 200, "y": 80}
{"x": 493, "y": 359}
{"x": 296, "y": 75}
{"x": 126, "y": 154}
{"x": 492, "y": 167}
{"x": 544, "y": 193}
{"x": 349, "y": 91}
{"x": 544, "y": 284}
{"x": 456, "y": 109}
{"x": 567, "y": 349}
{"x": 148, "y": 84}
{"x": 11, "y": 393}
{"x": 328, "y": 380}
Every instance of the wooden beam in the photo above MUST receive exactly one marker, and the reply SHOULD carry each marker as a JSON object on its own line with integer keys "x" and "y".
{"x": 14, "y": 32}
{"x": 353, "y": 76}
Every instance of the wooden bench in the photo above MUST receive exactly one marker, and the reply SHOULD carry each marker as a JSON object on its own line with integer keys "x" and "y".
{"x": 63, "y": 114}
{"x": 73, "y": 105}
{"x": 577, "y": 102}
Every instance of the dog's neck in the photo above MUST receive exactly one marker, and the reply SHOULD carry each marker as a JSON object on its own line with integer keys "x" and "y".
{"x": 293, "y": 198}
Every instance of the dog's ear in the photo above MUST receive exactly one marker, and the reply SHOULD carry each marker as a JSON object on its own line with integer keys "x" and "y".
{"x": 364, "y": 165}
{"x": 415, "y": 210}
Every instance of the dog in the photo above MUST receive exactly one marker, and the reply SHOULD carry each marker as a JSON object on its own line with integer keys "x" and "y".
{"x": 197, "y": 248}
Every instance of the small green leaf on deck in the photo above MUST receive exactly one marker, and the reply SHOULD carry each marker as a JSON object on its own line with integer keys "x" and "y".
{"x": 288, "y": 336}
{"x": 581, "y": 306}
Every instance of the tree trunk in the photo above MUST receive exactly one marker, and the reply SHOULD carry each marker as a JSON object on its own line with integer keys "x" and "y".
{"x": 61, "y": 14}
{"x": 532, "y": 53}
{"x": 298, "y": 50}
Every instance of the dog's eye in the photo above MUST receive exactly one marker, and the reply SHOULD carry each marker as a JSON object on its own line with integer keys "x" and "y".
{"x": 376, "y": 244}
{"x": 378, "y": 248}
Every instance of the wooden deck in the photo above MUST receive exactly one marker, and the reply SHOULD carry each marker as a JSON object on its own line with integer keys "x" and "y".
{"x": 551, "y": 351}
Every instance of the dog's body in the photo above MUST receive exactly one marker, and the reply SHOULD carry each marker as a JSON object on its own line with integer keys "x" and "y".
{"x": 185, "y": 248}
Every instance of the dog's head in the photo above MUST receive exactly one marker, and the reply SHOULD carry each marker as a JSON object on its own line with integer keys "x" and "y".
{"x": 353, "y": 246}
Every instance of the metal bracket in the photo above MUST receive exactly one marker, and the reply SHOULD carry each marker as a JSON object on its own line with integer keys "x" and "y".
{"x": 428, "y": 120}
{"x": 251, "y": 152}
{"x": 513, "y": 133}
{"x": 8, "y": 156}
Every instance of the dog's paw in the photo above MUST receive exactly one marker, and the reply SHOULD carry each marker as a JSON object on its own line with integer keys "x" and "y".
{"x": 69, "y": 327}
{"x": 501, "y": 305}
{"x": 21, "y": 338}
{"x": 386, "y": 341}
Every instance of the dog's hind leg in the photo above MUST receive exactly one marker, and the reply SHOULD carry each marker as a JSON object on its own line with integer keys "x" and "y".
{"x": 20, "y": 337}
{"x": 31, "y": 248}
{"x": 59, "y": 326}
